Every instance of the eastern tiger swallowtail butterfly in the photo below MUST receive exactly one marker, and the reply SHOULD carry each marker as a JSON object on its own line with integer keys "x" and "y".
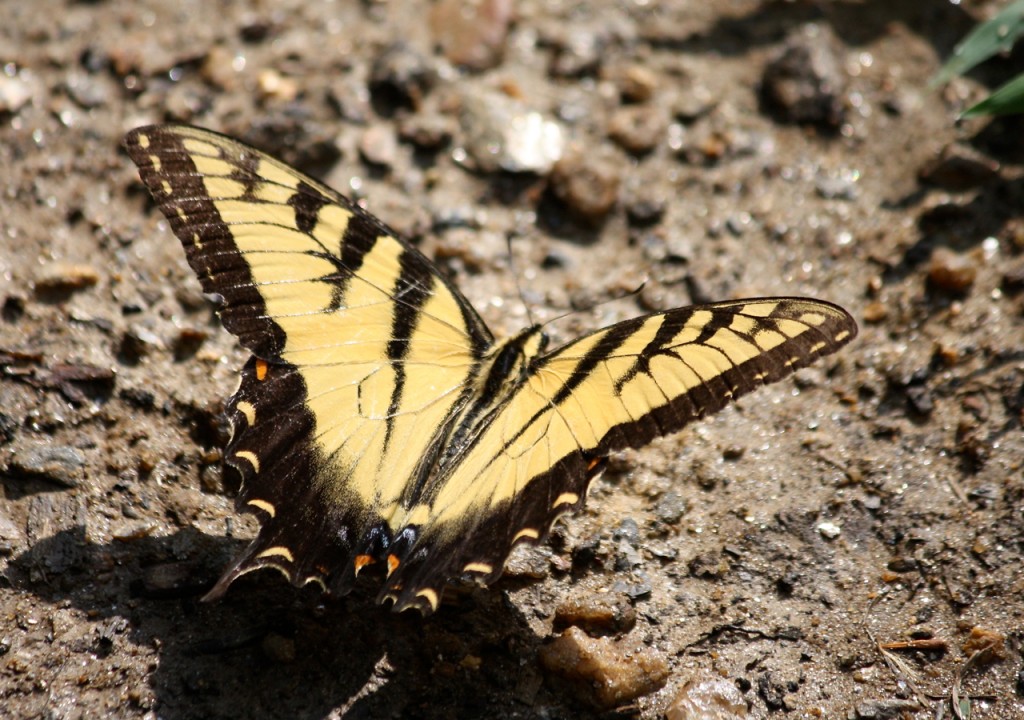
{"x": 378, "y": 422}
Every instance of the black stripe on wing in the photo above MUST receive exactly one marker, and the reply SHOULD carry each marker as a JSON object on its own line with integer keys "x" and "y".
{"x": 170, "y": 174}
{"x": 766, "y": 367}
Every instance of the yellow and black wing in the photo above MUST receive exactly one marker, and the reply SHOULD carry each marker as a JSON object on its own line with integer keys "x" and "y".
{"x": 616, "y": 388}
{"x": 378, "y": 423}
{"x": 361, "y": 350}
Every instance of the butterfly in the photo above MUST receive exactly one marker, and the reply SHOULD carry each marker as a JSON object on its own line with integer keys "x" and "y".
{"x": 379, "y": 423}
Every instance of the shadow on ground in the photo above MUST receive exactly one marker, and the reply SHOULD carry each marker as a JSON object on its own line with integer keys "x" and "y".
{"x": 287, "y": 653}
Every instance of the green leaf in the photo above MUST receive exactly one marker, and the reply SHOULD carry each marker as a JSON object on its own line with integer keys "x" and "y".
{"x": 995, "y": 36}
{"x": 965, "y": 708}
{"x": 1007, "y": 100}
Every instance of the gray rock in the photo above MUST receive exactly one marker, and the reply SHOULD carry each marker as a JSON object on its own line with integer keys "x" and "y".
{"x": 59, "y": 463}
{"x": 400, "y": 77}
{"x": 805, "y": 83}
{"x": 503, "y": 134}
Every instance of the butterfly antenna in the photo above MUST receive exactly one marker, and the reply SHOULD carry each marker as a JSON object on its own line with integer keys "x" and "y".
{"x": 629, "y": 293}
{"x": 515, "y": 274}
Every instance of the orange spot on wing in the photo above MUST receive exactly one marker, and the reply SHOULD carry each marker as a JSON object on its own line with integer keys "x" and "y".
{"x": 261, "y": 370}
{"x": 362, "y": 561}
{"x": 393, "y": 563}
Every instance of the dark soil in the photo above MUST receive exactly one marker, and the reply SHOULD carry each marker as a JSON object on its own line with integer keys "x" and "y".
{"x": 715, "y": 150}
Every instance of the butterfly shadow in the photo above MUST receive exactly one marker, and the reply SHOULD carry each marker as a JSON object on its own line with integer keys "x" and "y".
{"x": 268, "y": 650}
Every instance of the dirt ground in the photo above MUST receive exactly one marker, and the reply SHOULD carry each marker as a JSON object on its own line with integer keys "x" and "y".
{"x": 845, "y": 544}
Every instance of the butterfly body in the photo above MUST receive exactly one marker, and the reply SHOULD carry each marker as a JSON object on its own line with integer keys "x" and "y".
{"x": 379, "y": 423}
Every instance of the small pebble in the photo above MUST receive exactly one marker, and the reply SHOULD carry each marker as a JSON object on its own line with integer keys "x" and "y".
{"x": 636, "y": 83}
{"x": 637, "y": 128}
{"x": 504, "y": 134}
{"x": 218, "y": 68}
{"x": 188, "y": 341}
{"x": 773, "y": 690}
{"x": 528, "y": 562}
{"x": 350, "y": 99}
{"x": 471, "y": 34}
{"x": 605, "y": 672}
{"x": 588, "y": 184}
{"x": 63, "y": 277}
{"x": 694, "y": 102}
{"x": 134, "y": 531}
{"x": 989, "y": 642}
{"x": 378, "y": 146}
{"x": 427, "y": 131}
{"x": 191, "y": 299}
{"x": 875, "y": 312}
{"x": 903, "y": 564}
{"x": 951, "y": 272}
{"x": 146, "y": 458}
{"x": 272, "y": 85}
{"x": 15, "y": 92}
{"x": 829, "y": 530}
{"x": 138, "y": 398}
{"x": 708, "y": 698}
{"x": 211, "y": 479}
{"x": 598, "y": 613}
{"x": 920, "y": 400}
{"x": 805, "y": 82}
{"x": 136, "y": 343}
{"x": 670, "y": 508}
{"x": 632, "y": 590}
{"x": 838, "y": 186}
{"x": 578, "y": 51}
{"x": 400, "y": 77}
{"x": 708, "y": 565}
{"x": 59, "y": 463}
{"x": 11, "y": 535}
